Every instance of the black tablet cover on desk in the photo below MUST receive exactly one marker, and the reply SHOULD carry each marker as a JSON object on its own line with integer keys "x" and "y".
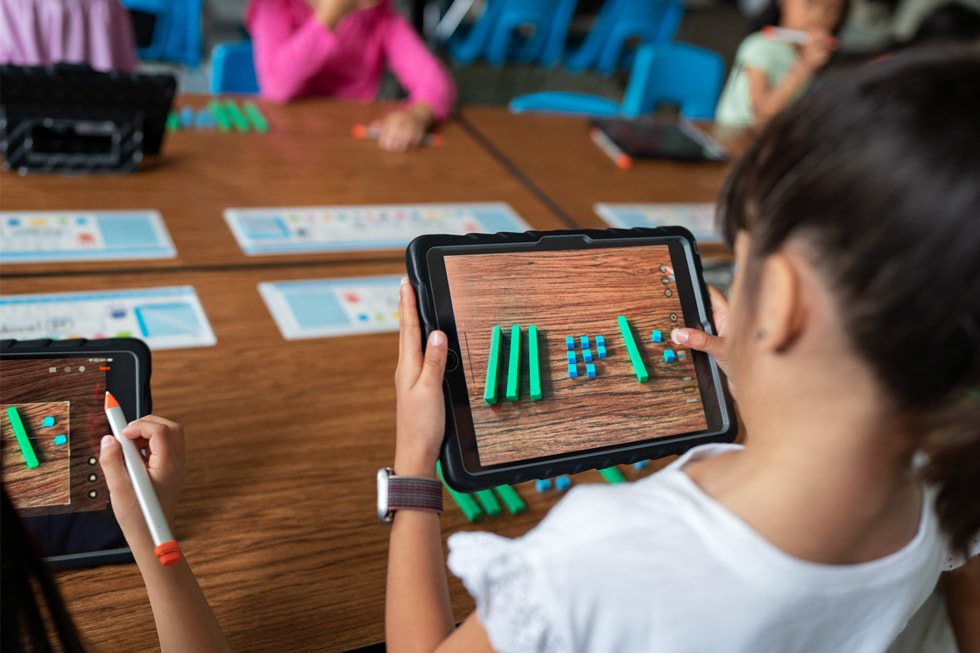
{"x": 659, "y": 138}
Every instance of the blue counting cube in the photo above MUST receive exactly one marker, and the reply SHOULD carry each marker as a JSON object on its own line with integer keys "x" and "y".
{"x": 585, "y": 341}
{"x": 641, "y": 464}
{"x": 48, "y": 421}
{"x": 657, "y": 336}
{"x": 590, "y": 369}
{"x": 587, "y": 355}
{"x": 573, "y": 370}
{"x": 542, "y": 484}
{"x": 600, "y": 341}
{"x": 601, "y": 351}
{"x": 571, "y": 358}
{"x": 570, "y": 342}
{"x": 563, "y": 482}
{"x": 669, "y": 355}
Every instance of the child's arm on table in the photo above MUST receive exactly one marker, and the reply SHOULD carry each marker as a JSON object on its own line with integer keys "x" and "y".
{"x": 430, "y": 87}
{"x": 183, "y": 617}
{"x": 768, "y": 101}
{"x": 418, "y": 614}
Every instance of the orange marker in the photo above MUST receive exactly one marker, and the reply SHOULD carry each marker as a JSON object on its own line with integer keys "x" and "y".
{"x": 620, "y": 158}
{"x": 362, "y": 132}
{"x": 165, "y": 546}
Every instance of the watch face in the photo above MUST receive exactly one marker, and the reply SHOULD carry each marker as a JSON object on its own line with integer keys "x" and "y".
{"x": 383, "y": 513}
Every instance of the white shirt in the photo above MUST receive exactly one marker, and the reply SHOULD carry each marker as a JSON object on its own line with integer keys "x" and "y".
{"x": 658, "y": 565}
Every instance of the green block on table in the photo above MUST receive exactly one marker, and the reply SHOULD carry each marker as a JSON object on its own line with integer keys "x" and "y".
{"x": 173, "y": 121}
{"x": 219, "y": 115}
{"x": 489, "y": 502}
{"x": 235, "y": 115}
{"x": 466, "y": 503}
{"x": 613, "y": 475}
{"x": 258, "y": 120}
{"x": 510, "y": 498}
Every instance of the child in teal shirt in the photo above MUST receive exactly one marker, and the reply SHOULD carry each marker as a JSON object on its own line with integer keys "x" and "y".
{"x": 769, "y": 72}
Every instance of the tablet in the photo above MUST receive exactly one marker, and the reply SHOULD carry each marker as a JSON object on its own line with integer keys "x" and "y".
{"x": 560, "y": 357}
{"x": 52, "y": 418}
{"x": 658, "y": 138}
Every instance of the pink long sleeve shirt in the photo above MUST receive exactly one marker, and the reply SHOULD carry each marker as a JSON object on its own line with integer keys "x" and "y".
{"x": 297, "y": 56}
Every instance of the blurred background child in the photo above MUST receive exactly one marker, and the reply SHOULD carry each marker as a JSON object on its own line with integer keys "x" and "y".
{"x": 341, "y": 48}
{"x": 768, "y": 72}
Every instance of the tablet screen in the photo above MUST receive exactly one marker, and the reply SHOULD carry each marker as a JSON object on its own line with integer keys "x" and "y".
{"x": 51, "y": 422}
{"x": 593, "y": 365}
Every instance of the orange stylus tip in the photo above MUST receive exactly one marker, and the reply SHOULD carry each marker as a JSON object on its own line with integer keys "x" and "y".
{"x": 359, "y": 131}
{"x": 436, "y": 140}
{"x": 110, "y": 401}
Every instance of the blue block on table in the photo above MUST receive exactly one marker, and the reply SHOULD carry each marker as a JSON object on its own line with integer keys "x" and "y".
{"x": 571, "y": 358}
{"x": 590, "y": 369}
{"x": 669, "y": 355}
{"x": 587, "y": 355}
{"x": 657, "y": 336}
{"x": 573, "y": 370}
{"x": 542, "y": 484}
{"x": 563, "y": 482}
{"x": 601, "y": 351}
{"x": 570, "y": 342}
{"x": 585, "y": 341}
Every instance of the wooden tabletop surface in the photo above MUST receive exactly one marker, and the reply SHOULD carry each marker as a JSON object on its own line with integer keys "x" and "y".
{"x": 284, "y": 438}
{"x": 556, "y": 155}
{"x": 308, "y": 158}
{"x": 277, "y": 516}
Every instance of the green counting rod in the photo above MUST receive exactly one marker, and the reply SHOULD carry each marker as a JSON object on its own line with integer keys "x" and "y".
{"x": 514, "y": 364}
{"x": 258, "y": 120}
{"x": 21, "y": 434}
{"x": 235, "y": 115}
{"x": 218, "y": 111}
{"x": 489, "y": 502}
{"x": 511, "y": 498}
{"x": 465, "y": 502}
{"x": 493, "y": 367}
{"x": 638, "y": 366}
{"x": 532, "y": 354}
{"x": 612, "y": 475}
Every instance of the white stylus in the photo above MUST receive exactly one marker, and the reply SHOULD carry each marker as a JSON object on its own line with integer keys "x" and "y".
{"x": 164, "y": 544}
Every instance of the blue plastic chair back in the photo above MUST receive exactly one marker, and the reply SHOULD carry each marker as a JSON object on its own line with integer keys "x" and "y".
{"x": 683, "y": 74}
{"x": 618, "y": 22}
{"x": 176, "y": 30}
{"x": 468, "y": 43}
{"x": 549, "y": 20}
{"x": 233, "y": 68}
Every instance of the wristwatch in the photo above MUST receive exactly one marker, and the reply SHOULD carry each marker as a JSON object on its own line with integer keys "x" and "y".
{"x": 406, "y": 493}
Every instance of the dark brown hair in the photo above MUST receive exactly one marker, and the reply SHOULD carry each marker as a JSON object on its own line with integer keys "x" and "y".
{"x": 876, "y": 174}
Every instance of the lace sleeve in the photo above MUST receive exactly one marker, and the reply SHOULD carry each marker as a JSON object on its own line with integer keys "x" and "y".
{"x": 509, "y": 603}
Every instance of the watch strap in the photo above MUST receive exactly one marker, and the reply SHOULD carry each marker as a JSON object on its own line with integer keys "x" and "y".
{"x": 414, "y": 493}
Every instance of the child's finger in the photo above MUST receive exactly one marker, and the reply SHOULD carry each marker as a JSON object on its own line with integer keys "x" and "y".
{"x": 160, "y": 435}
{"x": 409, "y": 331}
{"x": 434, "y": 365}
{"x": 114, "y": 469}
{"x": 701, "y": 341}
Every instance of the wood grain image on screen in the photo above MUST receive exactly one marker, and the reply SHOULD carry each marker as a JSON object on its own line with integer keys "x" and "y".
{"x": 574, "y": 294}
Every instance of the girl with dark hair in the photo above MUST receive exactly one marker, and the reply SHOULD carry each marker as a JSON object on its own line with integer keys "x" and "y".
{"x": 769, "y": 72}
{"x": 853, "y": 347}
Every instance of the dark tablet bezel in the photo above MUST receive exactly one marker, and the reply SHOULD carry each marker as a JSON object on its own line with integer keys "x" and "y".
{"x": 460, "y": 460}
{"x": 128, "y": 379}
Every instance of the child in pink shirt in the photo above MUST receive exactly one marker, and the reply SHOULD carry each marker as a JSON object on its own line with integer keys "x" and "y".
{"x": 340, "y": 48}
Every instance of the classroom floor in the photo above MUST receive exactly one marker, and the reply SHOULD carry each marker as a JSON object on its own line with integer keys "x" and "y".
{"x": 719, "y": 27}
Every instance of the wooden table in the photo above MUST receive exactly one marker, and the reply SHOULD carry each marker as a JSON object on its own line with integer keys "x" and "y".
{"x": 277, "y": 516}
{"x": 555, "y": 155}
{"x": 308, "y": 158}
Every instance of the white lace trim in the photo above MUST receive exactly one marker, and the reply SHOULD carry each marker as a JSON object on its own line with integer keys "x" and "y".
{"x": 509, "y": 605}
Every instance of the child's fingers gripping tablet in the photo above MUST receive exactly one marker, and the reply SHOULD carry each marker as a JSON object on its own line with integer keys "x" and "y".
{"x": 421, "y": 414}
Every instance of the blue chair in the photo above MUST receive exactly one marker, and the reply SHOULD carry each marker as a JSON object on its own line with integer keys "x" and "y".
{"x": 495, "y": 35}
{"x": 619, "y": 22}
{"x": 233, "y": 68}
{"x": 686, "y": 75}
{"x": 176, "y": 33}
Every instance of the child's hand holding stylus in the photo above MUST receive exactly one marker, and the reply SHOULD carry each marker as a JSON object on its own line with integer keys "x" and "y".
{"x": 163, "y": 439}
